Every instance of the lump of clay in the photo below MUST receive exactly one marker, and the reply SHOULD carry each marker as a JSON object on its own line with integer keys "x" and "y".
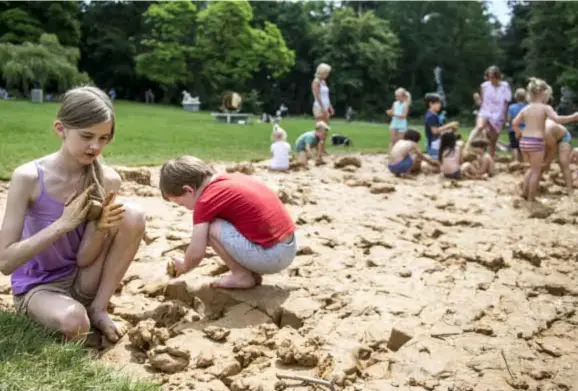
{"x": 347, "y": 161}
{"x": 95, "y": 210}
{"x": 168, "y": 359}
{"x": 171, "y": 269}
{"x": 139, "y": 175}
{"x": 244, "y": 168}
{"x": 216, "y": 333}
{"x": 145, "y": 335}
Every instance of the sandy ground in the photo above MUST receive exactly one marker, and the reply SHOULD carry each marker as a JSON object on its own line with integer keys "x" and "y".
{"x": 399, "y": 285}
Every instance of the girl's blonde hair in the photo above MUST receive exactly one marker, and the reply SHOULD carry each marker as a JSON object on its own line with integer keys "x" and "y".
{"x": 279, "y": 134}
{"x": 405, "y": 92}
{"x": 81, "y": 108}
{"x": 538, "y": 87}
{"x": 322, "y": 68}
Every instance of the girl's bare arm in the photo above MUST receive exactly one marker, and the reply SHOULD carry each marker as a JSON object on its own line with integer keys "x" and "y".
{"x": 13, "y": 251}
{"x": 561, "y": 119}
{"x": 516, "y": 123}
{"x": 315, "y": 88}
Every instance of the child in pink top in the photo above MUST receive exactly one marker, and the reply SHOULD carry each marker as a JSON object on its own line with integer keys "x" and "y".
{"x": 495, "y": 96}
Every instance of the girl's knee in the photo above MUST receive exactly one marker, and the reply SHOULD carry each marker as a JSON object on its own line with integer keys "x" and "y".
{"x": 134, "y": 218}
{"x": 73, "y": 321}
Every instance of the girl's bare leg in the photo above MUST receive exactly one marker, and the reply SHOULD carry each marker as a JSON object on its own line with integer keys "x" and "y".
{"x": 239, "y": 277}
{"x": 393, "y": 138}
{"x": 564, "y": 155}
{"x": 493, "y": 139}
{"x": 60, "y": 312}
{"x": 536, "y": 160}
{"x": 481, "y": 124}
{"x": 102, "y": 277}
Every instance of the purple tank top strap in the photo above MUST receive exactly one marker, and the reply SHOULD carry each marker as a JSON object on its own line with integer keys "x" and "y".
{"x": 40, "y": 177}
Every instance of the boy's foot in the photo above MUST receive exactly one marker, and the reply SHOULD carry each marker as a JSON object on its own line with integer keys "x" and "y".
{"x": 101, "y": 320}
{"x": 235, "y": 281}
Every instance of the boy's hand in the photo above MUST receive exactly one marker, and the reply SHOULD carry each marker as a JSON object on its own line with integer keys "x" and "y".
{"x": 177, "y": 267}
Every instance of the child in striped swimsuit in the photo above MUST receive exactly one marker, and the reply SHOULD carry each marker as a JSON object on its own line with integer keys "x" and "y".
{"x": 531, "y": 143}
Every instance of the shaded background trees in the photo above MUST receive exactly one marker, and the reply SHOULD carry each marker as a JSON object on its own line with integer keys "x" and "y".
{"x": 268, "y": 51}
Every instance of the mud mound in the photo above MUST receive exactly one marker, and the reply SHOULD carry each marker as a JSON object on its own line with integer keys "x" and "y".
{"x": 443, "y": 285}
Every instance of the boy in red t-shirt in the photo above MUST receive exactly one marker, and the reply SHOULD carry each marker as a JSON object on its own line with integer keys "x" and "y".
{"x": 241, "y": 218}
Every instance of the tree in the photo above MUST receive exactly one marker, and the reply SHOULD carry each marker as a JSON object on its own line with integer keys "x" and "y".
{"x": 231, "y": 51}
{"x": 363, "y": 53}
{"x": 168, "y": 45}
{"x": 40, "y": 64}
{"x": 111, "y": 33}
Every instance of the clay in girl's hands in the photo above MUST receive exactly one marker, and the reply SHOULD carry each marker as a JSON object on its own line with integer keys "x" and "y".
{"x": 76, "y": 209}
{"x": 95, "y": 210}
{"x": 112, "y": 214}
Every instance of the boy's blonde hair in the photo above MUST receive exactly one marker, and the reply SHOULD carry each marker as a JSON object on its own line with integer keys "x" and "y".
{"x": 538, "y": 87}
{"x": 322, "y": 68}
{"x": 520, "y": 95}
{"x": 81, "y": 108}
{"x": 405, "y": 92}
{"x": 183, "y": 171}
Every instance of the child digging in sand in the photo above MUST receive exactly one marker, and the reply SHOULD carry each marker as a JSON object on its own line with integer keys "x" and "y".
{"x": 64, "y": 263}
{"x": 532, "y": 146}
{"x": 309, "y": 140}
{"x": 450, "y": 158}
{"x": 406, "y": 156}
{"x": 239, "y": 217}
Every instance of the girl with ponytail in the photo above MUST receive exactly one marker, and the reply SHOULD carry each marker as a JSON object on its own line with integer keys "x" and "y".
{"x": 66, "y": 241}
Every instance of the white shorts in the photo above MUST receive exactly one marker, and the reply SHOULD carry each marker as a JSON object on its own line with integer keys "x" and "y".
{"x": 253, "y": 256}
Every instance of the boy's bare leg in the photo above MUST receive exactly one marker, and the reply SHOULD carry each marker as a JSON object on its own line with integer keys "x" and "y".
{"x": 239, "y": 277}
{"x": 102, "y": 277}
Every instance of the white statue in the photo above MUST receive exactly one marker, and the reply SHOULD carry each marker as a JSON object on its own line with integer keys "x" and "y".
{"x": 188, "y": 99}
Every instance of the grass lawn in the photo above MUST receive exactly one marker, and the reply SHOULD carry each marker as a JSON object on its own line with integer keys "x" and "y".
{"x": 150, "y": 134}
{"x": 33, "y": 359}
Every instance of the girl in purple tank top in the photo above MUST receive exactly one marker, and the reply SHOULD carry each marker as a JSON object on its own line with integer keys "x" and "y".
{"x": 66, "y": 241}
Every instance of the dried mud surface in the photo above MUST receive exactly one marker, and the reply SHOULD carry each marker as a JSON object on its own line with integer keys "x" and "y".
{"x": 399, "y": 285}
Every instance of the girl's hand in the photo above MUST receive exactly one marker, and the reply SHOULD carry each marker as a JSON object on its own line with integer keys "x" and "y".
{"x": 330, "y": 110}
{"x": 75, "y": 209}
{"x": 111, "y": 215}
{"x": 389, "y": 112}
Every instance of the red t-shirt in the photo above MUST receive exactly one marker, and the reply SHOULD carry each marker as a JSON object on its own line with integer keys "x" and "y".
{"x": 249, "y": 205}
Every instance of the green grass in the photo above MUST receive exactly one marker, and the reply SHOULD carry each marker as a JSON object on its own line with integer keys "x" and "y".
{"x": 150, "y": 134}
{"x": 32, "y": 358}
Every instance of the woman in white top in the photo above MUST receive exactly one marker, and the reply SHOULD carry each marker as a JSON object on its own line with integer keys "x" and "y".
{"x": 322, "y": 108}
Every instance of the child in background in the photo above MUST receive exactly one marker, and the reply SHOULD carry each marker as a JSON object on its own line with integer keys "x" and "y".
{"x": 433, "y": 127}
{"x": 483, "y": 163}
{"x": 398, "y": 113}
{"x": 450, "y": 158}
{"x": 406, "y": 157}
{"x": 311, "y": 139}
{"x": 280, "y": 149}
{"x": 558, "y": 143}
{"x": 241, "y": 218}
{"x": 513, "y": 110}
{"x": 532, "y": 146}
{"x": 66, "y": 263}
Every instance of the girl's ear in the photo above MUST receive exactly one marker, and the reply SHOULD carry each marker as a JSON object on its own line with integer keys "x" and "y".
{"x": 59, "y": 129}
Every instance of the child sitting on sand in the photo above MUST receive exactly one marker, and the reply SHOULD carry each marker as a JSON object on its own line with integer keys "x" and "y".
{"x": 239, "y": 217}
{"x": 406, "y": 156}
{"x": 280, "y": 149}
{"x": 482, "y": 163}
{"x": 311, "y": 139}
{"x": 450, "y": 158}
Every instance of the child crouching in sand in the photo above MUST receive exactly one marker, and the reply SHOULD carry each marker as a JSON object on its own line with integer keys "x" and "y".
{"x": 280, "y": 149}
{"x": 452, "y": 165}
{"x": 406, "y": 156}
{"x": 239, "y": 217}
{"x": 482, "y": 161}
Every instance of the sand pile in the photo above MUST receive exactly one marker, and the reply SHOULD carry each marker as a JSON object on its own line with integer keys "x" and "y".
{"x": 399, "y": 285}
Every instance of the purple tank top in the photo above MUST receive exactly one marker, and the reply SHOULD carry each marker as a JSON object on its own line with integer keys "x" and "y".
{"x": 56, "y": 262}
